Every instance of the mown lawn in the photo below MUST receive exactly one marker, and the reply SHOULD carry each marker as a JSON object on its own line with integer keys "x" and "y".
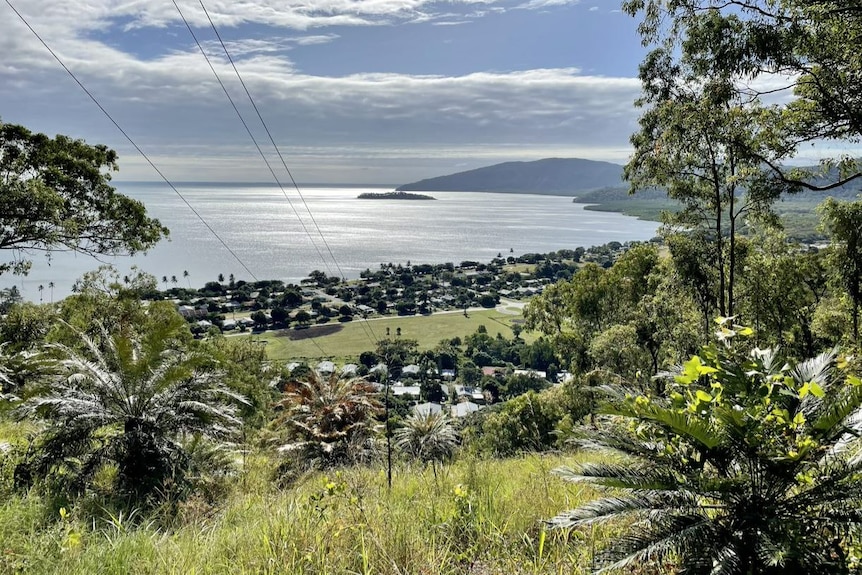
{"x": 345, "y": 341}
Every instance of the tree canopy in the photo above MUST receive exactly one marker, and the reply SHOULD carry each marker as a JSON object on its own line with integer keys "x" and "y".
{"x": 757, "y": 54}
{"x": 55, "y": 195}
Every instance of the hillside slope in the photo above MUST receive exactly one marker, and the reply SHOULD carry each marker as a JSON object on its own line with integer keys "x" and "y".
{"x": 551, "y": 176}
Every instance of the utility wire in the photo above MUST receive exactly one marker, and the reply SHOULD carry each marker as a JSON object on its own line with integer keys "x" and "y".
{"x": 251, "y": 135}
{"x": 271, "y": 139}
{"x": 256, "y": 145}
{"x": 369, "y": 331}
{"x": 129, "y": 138}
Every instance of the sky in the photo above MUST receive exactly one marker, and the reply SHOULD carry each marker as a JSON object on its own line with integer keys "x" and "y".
{"x": 352, "y": 91}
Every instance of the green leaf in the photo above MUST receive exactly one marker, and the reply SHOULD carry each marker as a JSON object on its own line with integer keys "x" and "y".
{"x": 816, "y": 390}
{"x": 703, "y": 396}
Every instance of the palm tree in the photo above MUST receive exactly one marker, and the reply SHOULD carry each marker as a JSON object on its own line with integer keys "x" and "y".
{"x": 51, "y": 287}
{"x": 41, "y": 289}
{"x": 329, "y": 419}
{"x": 749, "y": 467}
{"x": 129, "y": 401}
{"x": 221, "y": 278}
{"x": 165, "y": 281}
{"x": 174, "y": 280}
{"x": 428, "y": 437}
{"x": 186, "y": 275}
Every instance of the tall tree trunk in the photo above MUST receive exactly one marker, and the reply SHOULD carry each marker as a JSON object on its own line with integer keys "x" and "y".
{"x": 732, "y": 255}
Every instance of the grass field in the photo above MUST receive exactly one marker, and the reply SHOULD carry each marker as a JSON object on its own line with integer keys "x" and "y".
{"x": 345, "y": 341}
{"x": 477, "y": 517}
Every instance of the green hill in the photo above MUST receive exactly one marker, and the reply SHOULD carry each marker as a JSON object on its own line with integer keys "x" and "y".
{"x": 551, "y": 176}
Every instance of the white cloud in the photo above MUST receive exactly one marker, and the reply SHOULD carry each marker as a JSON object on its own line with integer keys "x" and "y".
{"x": 541, "y": 4}
{"x": 173, "y": 102}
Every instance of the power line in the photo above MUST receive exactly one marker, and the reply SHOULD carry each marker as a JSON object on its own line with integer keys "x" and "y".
{"x": 271, "y": 139}
{"x": 129, "y": 138}
{"x": 256, "y": 145}
{"x": 251, "y": 135}
{"x": 369, "y": 332}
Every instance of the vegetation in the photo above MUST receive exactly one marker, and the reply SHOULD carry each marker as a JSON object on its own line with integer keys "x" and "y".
{"x": 127, "y": 402}
{"x": 329, "y": 420}
{"x": 54, "y": 195}
{"x": 115, "y": 411}
{"x": 746, "y": 463}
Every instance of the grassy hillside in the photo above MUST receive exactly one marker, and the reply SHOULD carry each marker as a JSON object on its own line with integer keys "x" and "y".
{"x": 476, "y": 516}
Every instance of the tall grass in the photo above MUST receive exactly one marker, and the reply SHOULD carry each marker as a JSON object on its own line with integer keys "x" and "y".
{"x": 477, "y": 516}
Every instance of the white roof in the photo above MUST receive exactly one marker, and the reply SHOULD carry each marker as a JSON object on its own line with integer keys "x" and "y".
{"x": 464, "y": 409}
{"x": 427, "y": 408}
{"x": 349, "y": 369}
{"x": 326, "y": 367}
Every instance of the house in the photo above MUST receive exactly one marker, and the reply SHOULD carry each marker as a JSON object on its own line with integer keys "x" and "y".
{"x": 188, "y": 311}
{"x": 447, "y": 373}
{"x": 426, "y": 409}
{"x": 493, "y": 371}
{"x": 412, "y": 370}
{"x": 349, "y": 370}
{"x": 464, "y": 409}
{"x": 325, "y": 367}
{"x": 398, "y": 390}
{"x": 379, "y": 368}
{"x": 469, "y": 393}
{"x": 292, "y": 365}
{"x": 228, "y": 324}
{"x": 532, "y": 373}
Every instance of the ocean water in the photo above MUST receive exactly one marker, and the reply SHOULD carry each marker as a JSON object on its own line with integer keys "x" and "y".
{"x": 276, "y": 234}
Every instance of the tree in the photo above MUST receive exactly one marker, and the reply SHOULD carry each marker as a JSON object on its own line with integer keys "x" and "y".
{"x": 186, "y": 275}
{"x": 747, "y": 467}
{"x": 428, "y": 437}
{"x": 260, "y": 320}
{"x": 843, "y": 222}
{"x": 329, "y": 420}
{"x": 809, "y": 48}
{"x": 55, "y": 196}
{"x": 51, "y": 287}
{"x": 704, "y": 145}
{"x": 302, "y": 317}
{"x": 279, "y": 315}
{"x": 129, "y": 400}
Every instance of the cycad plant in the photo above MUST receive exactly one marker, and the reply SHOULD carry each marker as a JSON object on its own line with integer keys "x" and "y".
{"x": 428, "y": 437}
{"x": 748, "y": 466}
{"x": 329, "y": 420}
{"x": 129, "y": 401}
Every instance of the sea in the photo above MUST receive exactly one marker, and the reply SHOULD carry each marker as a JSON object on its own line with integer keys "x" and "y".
{"x": 270, "y": 233}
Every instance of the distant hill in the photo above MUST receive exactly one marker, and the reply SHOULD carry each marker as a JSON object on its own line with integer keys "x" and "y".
{"x": 552, "y": 176}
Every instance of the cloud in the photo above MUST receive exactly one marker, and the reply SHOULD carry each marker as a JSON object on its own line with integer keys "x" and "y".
{"x": 174, "y": 108}
{"x": 593, "y": 9}
{"x": 542, "y": 4}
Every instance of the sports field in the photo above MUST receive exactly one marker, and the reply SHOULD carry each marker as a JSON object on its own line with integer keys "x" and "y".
{"x": 345, "y": 341}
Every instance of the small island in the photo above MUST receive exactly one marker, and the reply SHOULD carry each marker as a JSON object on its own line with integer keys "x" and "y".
{"x": 396, "y": 195}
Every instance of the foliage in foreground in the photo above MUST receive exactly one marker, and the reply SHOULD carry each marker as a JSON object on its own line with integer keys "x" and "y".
{"x": 127, "y": 401}
{"x": 749, "y": 466}
{"x": 328, "y": 419}
{"x": 480, "y": 517}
